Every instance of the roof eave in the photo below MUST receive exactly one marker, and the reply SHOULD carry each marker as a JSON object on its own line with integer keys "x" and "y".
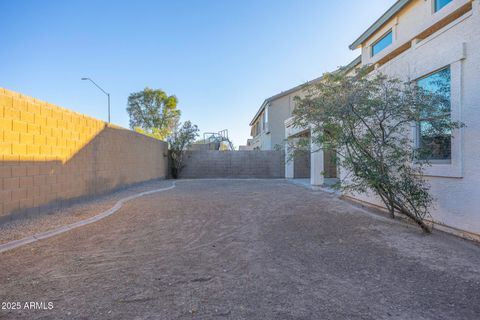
{"x": 259, "y": 112}
{"x": 354, "y": 63}
{"x": 397, "y": 6}
{"x": 350, "y": 66}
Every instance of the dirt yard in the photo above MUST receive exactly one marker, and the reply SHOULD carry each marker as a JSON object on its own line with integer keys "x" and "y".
{"x": 253, "y": 249}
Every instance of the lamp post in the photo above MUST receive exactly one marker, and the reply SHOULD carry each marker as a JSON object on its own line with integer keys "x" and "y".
{"x": 108, "y": 95}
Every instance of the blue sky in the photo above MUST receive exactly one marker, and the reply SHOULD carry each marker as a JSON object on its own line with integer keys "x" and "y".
{"x": 221, "y": 58}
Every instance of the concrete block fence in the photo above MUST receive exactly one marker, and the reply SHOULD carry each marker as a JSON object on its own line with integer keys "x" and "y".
{"x": 234, "y": 164}
{"x": 50, "y": 155}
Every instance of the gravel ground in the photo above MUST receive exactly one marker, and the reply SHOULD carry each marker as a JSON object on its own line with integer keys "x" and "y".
{"x": 50, "y": 219}
{"x": 244, "y": 250}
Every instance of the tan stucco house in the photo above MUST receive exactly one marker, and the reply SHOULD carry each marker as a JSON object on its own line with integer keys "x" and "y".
{"x": 268, "y": 124}
{"x": 423, "y": 40}
{"x": 418, "y": 40}
{"x": 322, "y": 167}
{"x": 414, "y": 40}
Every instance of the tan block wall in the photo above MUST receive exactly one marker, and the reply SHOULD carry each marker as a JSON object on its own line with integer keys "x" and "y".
{"x": 234, "y": 164}
{"x": 50, "y": 155}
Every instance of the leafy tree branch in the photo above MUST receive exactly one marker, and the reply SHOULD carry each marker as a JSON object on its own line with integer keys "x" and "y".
{"x": 366, "y": 119}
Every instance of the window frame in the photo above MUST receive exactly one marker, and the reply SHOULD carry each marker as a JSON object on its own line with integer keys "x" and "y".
{"x": 418, "y": 137}
{"x": 426, "y": 65}
{"x": 256, "y": 130}
{"x": 436, "y": 8}
{"x": 372, "y": 46}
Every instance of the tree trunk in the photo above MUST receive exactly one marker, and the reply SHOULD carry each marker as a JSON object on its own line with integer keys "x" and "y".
{"x": 174, "y": 173}
{"x": 392, "y": 209}
{"x": 417, "y": 220}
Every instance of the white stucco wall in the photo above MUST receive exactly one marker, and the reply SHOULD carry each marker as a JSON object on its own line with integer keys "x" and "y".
{"x": 279, "y": 110}
{"x": 262, "y": 141}
{"x": 416, "y": 17}
{"x": 456, "y": 186}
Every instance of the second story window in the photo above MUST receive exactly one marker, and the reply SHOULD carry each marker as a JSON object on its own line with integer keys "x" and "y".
{"x": 381, "y": 44}
{"x": 439, "y": 4}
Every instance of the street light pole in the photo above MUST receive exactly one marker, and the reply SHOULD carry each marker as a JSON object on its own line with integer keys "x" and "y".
{"x": 108, "y": 95}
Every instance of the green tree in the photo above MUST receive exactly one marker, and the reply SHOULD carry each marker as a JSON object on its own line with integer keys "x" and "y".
{"x": 153, "y": 112}
{"x": 182, "y": 136}
{"x": 365, "y": 119}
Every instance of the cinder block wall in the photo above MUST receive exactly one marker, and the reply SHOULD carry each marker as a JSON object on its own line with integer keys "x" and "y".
{"x": 50, "y": 156}
{"x": 234, "y": 164}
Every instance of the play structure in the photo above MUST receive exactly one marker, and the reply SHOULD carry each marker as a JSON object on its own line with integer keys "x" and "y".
{"x": 215, "y": 141}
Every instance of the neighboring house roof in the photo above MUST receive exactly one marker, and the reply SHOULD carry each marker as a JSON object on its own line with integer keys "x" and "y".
{"x": 353, "y": 64}
{"x": 380, "y": 22}
{"x": 350, "y": 66}
{"x": 280, "y": 95}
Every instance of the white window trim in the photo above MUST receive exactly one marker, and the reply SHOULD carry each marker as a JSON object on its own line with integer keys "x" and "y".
{"x": 433, "y": 6}
{"x": 453, "y": 169}
{"x": 267, "y": 127}
{"x": 380, "y": 38}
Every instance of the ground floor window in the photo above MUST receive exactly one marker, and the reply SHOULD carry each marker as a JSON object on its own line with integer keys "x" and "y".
{"x": 434, "y": 145}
